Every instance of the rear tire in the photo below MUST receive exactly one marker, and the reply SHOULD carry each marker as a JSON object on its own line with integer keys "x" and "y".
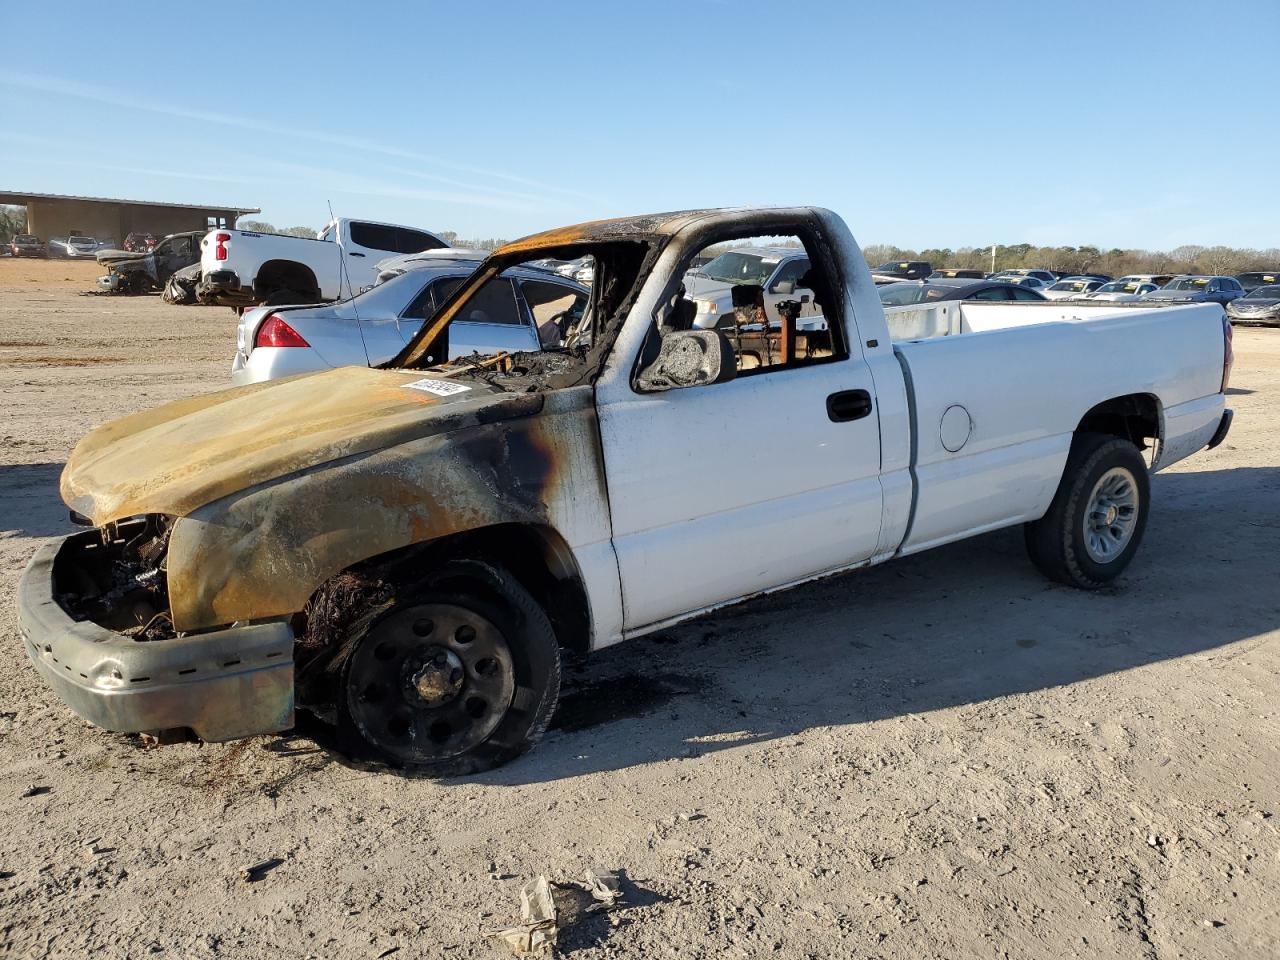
{"x": 281, "y": 298}
{"x": 1097, "y": 518}
{"x": 454, "y": 680}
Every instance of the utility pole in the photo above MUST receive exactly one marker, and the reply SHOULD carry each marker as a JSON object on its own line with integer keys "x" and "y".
{"x": 993, "y": 258}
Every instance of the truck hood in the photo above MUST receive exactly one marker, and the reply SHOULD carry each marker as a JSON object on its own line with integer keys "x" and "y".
{"x": 705, "y": 288}
{"x": 116, "y": 256}
{"x": 183, "y": 455}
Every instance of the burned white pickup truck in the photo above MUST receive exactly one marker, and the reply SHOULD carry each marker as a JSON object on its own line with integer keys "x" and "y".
{"x": 406, "y": 551}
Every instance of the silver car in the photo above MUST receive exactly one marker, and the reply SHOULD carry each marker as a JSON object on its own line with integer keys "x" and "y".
{"x": 522, "y": 309}
{"x": 73, "y": 246}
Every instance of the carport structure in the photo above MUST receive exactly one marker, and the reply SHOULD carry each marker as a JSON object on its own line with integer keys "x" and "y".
{"x": 58, "y": 215}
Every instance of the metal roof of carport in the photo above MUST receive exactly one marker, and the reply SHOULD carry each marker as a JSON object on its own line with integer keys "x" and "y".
{"x": 21, "y": 199}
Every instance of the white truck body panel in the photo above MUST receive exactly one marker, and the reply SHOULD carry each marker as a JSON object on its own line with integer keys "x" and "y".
{"x": 707, "y": 510}
{"x": 1019, "y": 383}
{"x": 341, "y": 266}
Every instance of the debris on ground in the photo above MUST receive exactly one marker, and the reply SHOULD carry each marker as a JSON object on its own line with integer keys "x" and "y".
{"x": 35, "y": 791}
{"x": 180, "y": 289}
{"x": 603, "y": 886}
{"x": 257, "y": 871}
{"x": 540, "y": 927}
{"x": 547, "y": 908}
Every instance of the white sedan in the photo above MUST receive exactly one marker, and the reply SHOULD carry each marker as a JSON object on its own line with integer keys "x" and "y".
{"x": 522, "y": 309}
{"x": 1073, "y": 288}
{"x": 1122, "y": 291}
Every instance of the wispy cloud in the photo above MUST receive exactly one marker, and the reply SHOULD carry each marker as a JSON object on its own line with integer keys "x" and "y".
{"x": 328, "y": 181}
{"x": 70, "y": 88}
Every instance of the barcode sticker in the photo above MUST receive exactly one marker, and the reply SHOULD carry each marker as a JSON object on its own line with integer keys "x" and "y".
{"x": 441, "y": 388}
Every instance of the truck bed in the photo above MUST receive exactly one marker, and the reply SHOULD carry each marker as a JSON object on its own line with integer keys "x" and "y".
{"x": 994, "y": 392}
{"x": 951, "y": 318}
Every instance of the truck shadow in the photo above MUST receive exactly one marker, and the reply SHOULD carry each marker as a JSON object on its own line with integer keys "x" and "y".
{"x": 31, "y": 506}
{"x": 964, "y": 624}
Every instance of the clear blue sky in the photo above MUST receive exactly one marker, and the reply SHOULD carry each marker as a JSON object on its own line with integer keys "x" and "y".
{"x": 1119, "y": 124}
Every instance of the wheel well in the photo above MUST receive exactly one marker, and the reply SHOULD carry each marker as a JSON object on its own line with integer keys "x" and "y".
{"x": 535, "y": 555}
{"x": 1135, "y": 417}
{"x": 285, "y": 275}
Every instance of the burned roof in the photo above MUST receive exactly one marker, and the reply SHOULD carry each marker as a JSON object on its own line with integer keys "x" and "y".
{"x": 619, "y": 228}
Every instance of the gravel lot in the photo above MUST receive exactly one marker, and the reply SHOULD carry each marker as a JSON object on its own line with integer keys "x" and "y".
{"x": 942, "y": 757}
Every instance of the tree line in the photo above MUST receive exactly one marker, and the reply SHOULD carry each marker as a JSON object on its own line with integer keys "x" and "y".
{"x": 1115, "y": 262}
{"x": 1087, "y": 259}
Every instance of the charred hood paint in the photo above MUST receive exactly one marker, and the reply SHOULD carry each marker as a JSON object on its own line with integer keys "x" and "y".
{"x": 183, "y": 455}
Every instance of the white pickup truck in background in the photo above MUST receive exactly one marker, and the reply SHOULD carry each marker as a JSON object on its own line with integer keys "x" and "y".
{"x": 240, "y": 268}
{"x": 776, "y": 270}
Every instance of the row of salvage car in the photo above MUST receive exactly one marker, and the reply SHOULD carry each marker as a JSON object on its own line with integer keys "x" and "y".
{"x": 359, "y": 292}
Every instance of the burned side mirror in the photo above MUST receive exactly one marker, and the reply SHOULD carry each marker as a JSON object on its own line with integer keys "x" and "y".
{"x": 689, "y": 358}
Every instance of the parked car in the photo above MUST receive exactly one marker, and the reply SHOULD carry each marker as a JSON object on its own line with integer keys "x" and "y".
{"x": 776, "y": 271}
{"x": 407, "y": 550}
{"x": 390, "y": 267}
{"x": 1045, "y": 277}
{"x": 1258, "y": 279}
{"x": 1072, "y": 288}
{"x": 1159, "y": 279}
{"x": 73, "y": 246}
{"x": 139, "y": 242}
{"x": 105, "y": 243}
{"x": 957, "y": 273}
{"x": 904, "y": 269}
{"x": 27, "y": 245}
{"x": 130, "y": 272}
{"x": 240, "y": 268}
{"x": 522, "y": 310}
{"x": 1122, "y": 291}
{"x": 1260, "y": 305}
{"x": 1198, "y": 289}
{"x": 1021, "y": 280}
{"x": 933, "y": 289}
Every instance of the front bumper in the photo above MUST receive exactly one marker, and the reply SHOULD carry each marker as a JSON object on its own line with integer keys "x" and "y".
{"x": 1258, "y": 319}
{"x": 222, "y": 685}
{"x": 223, "y": 287}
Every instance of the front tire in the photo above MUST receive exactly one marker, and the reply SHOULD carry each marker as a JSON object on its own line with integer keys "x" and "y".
{"x": 1097, "y": 518}
{"x": 454, "y": 680}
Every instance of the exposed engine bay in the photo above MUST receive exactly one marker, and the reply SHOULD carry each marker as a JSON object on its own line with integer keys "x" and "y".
{"x": 115, "y": 576}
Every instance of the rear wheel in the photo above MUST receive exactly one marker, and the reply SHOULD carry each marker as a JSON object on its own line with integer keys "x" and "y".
{"x": 1097, "y": 518}
{"x": 456, "y": 680}
{"x": 280, "y": 298}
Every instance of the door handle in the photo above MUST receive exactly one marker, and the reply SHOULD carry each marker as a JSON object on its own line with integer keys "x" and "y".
{"x": 352, "y": 253}
{"x": 848, "y": 405}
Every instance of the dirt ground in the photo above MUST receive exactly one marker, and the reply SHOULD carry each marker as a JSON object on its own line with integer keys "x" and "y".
{"x": 942, "y": 757}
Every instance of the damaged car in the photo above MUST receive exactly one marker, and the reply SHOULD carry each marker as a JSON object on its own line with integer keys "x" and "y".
{"x": 407, "y": 552}
{"x": 131, "y": 271}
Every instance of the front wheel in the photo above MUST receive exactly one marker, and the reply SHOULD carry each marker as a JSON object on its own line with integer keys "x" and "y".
{"x": 1095, "y": 523}
{"x": 455, "y": 680}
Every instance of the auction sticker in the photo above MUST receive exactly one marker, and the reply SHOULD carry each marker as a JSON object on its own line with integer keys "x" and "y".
{"x": 441, "y": 388}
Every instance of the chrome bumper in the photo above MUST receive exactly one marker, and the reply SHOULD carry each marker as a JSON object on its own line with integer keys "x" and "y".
{"x": 222, "y": 685}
